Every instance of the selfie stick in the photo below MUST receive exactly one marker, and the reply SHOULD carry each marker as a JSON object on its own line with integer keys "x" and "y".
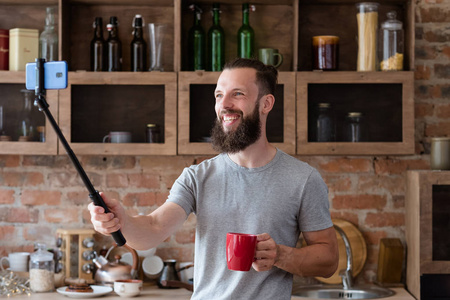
{"x": 43, "y": 106}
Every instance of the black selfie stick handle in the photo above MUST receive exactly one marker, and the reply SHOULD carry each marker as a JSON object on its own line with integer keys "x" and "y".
{"x": 43, "y": 106}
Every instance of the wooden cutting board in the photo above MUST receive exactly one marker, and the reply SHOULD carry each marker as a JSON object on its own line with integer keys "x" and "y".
{"x": 359, "y": 251}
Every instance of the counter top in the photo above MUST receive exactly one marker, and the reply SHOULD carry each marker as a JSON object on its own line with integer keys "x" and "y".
{"x": 153, "y": 292}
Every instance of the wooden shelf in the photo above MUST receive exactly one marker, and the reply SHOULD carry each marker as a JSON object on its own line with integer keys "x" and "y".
{"x": 119, "y": 101}
{"x": 196, "y": 108}
{"x": 389, "y": 108}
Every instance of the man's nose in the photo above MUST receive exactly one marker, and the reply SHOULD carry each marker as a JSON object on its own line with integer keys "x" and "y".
{"x": 227, "y": 101}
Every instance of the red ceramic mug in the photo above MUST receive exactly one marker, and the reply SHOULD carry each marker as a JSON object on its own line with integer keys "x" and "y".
{"x": 241, "y": 249}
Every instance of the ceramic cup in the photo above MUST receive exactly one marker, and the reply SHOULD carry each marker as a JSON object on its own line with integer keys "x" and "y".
{"x": 152, "y": 266}
{"x": 128, "y": 287}
{"x": 117, "y": 137}
{"x": 270, "y": 56}
{"x": 186, "y": 271}
{"x": 241, "y": 249}
{"x": 440, "y": 153}
{"x": 18, "y": 261}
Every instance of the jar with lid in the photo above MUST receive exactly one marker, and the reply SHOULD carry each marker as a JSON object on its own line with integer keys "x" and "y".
{"x": 367, "y": 19}
{"x": 42, "y": 270}
{"x": 153, "y": 133}
{"x": 390, "y": 50}
{"x": 355, "y": 127}
{"x": 325, "y": 124}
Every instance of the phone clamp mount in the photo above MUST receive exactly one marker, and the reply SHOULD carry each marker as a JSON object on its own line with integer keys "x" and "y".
{"x": 40, "y": 101}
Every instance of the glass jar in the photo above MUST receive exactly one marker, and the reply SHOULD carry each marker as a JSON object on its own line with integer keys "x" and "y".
{"x": 152, "y": 134}
{"x": 390, "y": 50}
{"x": 325, "y": 123}
{"x": 367, "y": 18}
{"x": 42, "y": 270}
{"x": 355, "y": 127}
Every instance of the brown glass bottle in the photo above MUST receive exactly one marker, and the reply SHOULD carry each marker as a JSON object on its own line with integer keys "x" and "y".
{"x": 138, "y": 47}
{"x": 114, "y": 46}
{"x": 98, "y": 47}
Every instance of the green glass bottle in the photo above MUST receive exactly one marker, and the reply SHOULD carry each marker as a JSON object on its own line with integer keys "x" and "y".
{"x": 196, "y": 42}
{"x": 246, "y": 35}
{"x": 216, "y": 42}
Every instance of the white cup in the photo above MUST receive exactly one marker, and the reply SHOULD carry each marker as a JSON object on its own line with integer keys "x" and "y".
{"x": 128, "y": 287}
{"x": 18, "y": 261}
{"x": 117, "y": 137}
{"x": 188, "y": 273}
{"x": 152, "y": 266}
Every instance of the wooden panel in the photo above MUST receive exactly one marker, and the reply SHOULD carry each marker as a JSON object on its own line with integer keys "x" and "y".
{"x": 168, "y": 80}
{"x": 11, "y": 84}
{"x": 339, "y": 18}
{"x": 283, "y": 119}
{"x": 273, "y": 23}
{"x": 77, "y": 27}
{"x": 406, "y": 146}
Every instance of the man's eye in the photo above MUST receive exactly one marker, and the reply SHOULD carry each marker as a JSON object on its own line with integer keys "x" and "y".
{"x": 239, "y": 94}
{"x": 218, "y": 95}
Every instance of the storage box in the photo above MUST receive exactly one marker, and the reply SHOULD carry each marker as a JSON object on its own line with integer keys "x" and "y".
{"x": 4, "y": 49}
{"x": 390, "y": 261}
{"x": 23, "y": 47}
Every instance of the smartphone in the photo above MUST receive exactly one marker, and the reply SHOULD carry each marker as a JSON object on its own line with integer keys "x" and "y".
{"x": 55, "y": 75}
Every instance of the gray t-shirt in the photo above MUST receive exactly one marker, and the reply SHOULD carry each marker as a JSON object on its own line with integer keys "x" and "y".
{"x": 282, "y": 198}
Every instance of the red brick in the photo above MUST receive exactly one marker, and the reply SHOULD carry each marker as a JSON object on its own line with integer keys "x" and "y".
{"x": 373, "y": 238}
{"x": 348, "y": 216}
{"x": 446, "y": 51}
{"x": 338, "y": 183}
{"x": 398, "y": 201}
{"x": 395, "y": 185}
{"x": 9, "y": 161}
{"x": 179, "y": 253}
{"x": 391, "y": 166}
{"x": 61, "y": 215}
{"x": 169, "y": 179}
{"x": 19, "y": 215}
{"x": 60, "y": 161}
{"x": 31, "y": 197}
{"x": 37, "y": 233}
{"x": 422, "y": 72}
{"x": 437, "y": 129}
{"x": 139, "y": 199}
{"x": 347, "y": 165}
{"x": 149, "y": 181}
{"x": 436, "y": 36}
{"x": 443, "y": 111}
{"x": 372, "y": 256}
{"x": 422, "y": 110}
{"x": 384, "y": 219}
{"x": 160, "y": 163}
{"x": 79, "y": 197}
{"x": 359, "y": 202}
{"x": 22, "y": 178}
{"x": 7, "y": 232}
{"x": 93, "y": 162}
{"x": 426, "y": 52}
{"x": 6, "y": 196}
{"x": 117, "y": 180}
{"x": 434, "y": 14}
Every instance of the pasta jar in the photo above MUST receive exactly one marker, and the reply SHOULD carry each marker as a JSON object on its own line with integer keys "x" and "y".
{"x": 390, "y": 51}
{"x": 42, "y": 270}
{"x": 367, "y": 18}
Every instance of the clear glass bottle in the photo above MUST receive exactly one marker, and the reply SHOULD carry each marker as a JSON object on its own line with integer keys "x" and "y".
{"x": 42, "y": 270}
{"x": 196, "y": 42}
{"x": 27, "y": 128}
{"x": 355, "y": 128}
{"x": 98, "y": 47}
{"x": 216, "y": 42}
{"x": 48, "y": 40}
{"x": 390, "y": 46}
{"x": 325, "y": 124}
{"x": 138, "y": 47}
{"x": 246, "y": 34}
{"x": 367, "y": 19}
{"x": 114, "y": 46}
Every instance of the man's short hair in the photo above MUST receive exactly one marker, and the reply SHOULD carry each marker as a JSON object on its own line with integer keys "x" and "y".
{"x": 266, "y": 75}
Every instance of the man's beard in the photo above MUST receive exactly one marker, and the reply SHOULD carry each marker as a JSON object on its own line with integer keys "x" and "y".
{"x": 245, "y": 134}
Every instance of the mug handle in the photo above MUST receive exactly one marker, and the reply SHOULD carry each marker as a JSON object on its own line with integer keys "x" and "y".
{"x": 106, "y": 139}
{"x": 280, "y": 59}
{"x": 1, "y": 262}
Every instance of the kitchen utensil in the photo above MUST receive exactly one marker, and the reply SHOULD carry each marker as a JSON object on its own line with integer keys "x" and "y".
{"x": 108, "y": 272}
{"x": 169, "y": 273}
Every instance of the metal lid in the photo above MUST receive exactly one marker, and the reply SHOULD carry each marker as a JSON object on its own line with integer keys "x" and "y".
{"x": 324, "y": 105}
{"x": 354, "y": 114}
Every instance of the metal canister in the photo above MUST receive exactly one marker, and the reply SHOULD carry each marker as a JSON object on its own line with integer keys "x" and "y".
{"x": 153, "y": 133}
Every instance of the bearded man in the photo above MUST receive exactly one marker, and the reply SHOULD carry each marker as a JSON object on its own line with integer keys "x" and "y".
{"x": 250, "y": 187}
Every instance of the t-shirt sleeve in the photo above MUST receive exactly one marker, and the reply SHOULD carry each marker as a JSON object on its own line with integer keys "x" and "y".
{"x": 315, "y": 208}
{"x": 183, "y": 191}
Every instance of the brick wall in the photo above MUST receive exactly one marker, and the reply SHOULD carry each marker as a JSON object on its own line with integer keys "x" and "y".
{"x": 41, "y": 193}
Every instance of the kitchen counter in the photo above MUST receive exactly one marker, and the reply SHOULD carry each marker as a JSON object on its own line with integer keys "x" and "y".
{"x": 153, "y": 292}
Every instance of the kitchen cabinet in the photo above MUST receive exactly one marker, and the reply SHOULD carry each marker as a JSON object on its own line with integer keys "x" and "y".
{"x": 90, "y": 107}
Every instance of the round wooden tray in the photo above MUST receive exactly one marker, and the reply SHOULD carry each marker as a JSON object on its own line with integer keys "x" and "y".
{"x": 359, "y": 251}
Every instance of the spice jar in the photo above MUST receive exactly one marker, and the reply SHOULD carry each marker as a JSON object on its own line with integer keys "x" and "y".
{"x": 153, "y": 133}
{"x": 42, "y": 270}
{"x": 367, "y": 18}
{"x": 390, "y": 51}
{"x": 355, "y": 127}
{"x": 325, "y": 123}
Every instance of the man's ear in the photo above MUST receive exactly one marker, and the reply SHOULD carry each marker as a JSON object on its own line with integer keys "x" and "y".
{"x": 267, "y": 104}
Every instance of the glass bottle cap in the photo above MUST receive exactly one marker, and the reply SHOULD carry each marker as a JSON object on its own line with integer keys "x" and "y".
{"x": 392, "y": 23}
